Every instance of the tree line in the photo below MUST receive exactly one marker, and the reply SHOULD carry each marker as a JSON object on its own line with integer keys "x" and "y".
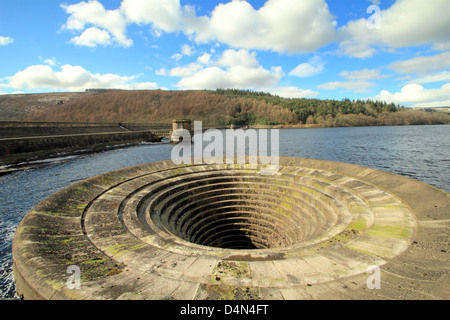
{"x": 224, "y": 107}
{"x": 307, "y": 110}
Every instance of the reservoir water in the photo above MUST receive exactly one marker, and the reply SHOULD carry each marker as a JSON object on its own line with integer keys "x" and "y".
{"x": 418, "y": 152}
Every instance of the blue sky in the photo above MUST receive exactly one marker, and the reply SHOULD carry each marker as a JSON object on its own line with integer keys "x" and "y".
{"x": 391, "y": 50}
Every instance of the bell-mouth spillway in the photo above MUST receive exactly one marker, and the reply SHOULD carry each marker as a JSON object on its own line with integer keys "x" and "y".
{"x": 312, "y": 230}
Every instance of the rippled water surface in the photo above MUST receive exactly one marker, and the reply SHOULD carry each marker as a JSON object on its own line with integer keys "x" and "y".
{"x": 418, "y": 152}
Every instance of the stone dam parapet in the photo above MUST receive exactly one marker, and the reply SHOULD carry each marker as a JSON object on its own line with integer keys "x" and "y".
{"x": 22, "y": 142}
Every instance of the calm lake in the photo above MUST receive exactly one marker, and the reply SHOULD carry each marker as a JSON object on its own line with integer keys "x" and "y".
{"x": 418, "y": 152}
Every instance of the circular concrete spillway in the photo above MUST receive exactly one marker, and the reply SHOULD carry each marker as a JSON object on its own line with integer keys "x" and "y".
{"x": 225, "y": 231}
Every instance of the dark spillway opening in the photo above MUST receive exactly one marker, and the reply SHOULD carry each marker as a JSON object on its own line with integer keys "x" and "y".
{"x": 239, "y": 211}
{"x": 233, "y": 239}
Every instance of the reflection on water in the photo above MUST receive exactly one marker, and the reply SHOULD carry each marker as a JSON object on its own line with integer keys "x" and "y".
{"x": 419, "y": 152}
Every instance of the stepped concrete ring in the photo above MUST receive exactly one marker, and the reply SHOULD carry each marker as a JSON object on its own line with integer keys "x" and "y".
{"x": 312, "y": 230}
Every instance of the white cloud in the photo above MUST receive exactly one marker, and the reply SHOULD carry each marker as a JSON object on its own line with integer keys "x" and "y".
{"x": 233, "y": 77}
{"x": 313, "y": 67}
{"x": 417, "y": 95}
{"x": 163, "y": 15}
{"x": 4, "y": 41}
{"x": 422, "y": 65}
{"x": 406, "y": 23}
{"x": 279, "y": 25}
{"x": 243, "y": 58}
{"x": 186, "y": 50}
{"x": 233, "y": 69}
{"x": 71, "y": 78}
{"x": 92, "y": 37}
{"x": 186, "y": 71}
{"x": 103, "y": 21}
{"x": 205, "y": 58}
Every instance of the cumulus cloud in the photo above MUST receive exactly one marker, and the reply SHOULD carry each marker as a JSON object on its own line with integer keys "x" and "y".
{"x": 240, "y": 77}
{"x": 107, "y": 25}
{"x": 243, "y": 58}
{"x": 233, "y": 69}
{"x": 205, "y": 58}
{"x": 238, "y": 69}
{"x": 185, "y": 71}
{"x": 71, "y": 78}
{"x": 406, "y": 23}
{"x": 279, "y": 25}
{"x": 4, "y": 41}
{"x": 417, "y": 95}
{"x": 311, "y": 68}
{"x": 163, "y": 15}
{"x": 186, "y": 50}
{"x": 92, "y": 37}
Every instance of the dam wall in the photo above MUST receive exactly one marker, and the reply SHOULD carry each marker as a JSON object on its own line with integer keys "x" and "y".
{"x": 16, "y": 129}
{"x": 16, "y": 150}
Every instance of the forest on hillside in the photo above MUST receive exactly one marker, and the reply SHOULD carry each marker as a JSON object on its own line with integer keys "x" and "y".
{"x": 223, "y": 107}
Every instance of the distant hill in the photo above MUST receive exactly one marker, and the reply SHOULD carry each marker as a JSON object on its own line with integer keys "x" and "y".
{"x": 20, "y": 107}
{"x": 220, "y": 107}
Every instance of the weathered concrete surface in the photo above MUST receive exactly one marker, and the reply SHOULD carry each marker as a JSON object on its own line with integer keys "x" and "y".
{"x": 16, "y": 150}
{"x": 20, "y": 129}
{"x": 161, "y": 231}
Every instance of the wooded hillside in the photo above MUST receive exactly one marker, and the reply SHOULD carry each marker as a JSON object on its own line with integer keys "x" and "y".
{"x": 220, "y": 107}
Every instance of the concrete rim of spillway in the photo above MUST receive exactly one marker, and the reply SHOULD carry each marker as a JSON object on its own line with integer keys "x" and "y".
{"x": 313, "y": 229}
